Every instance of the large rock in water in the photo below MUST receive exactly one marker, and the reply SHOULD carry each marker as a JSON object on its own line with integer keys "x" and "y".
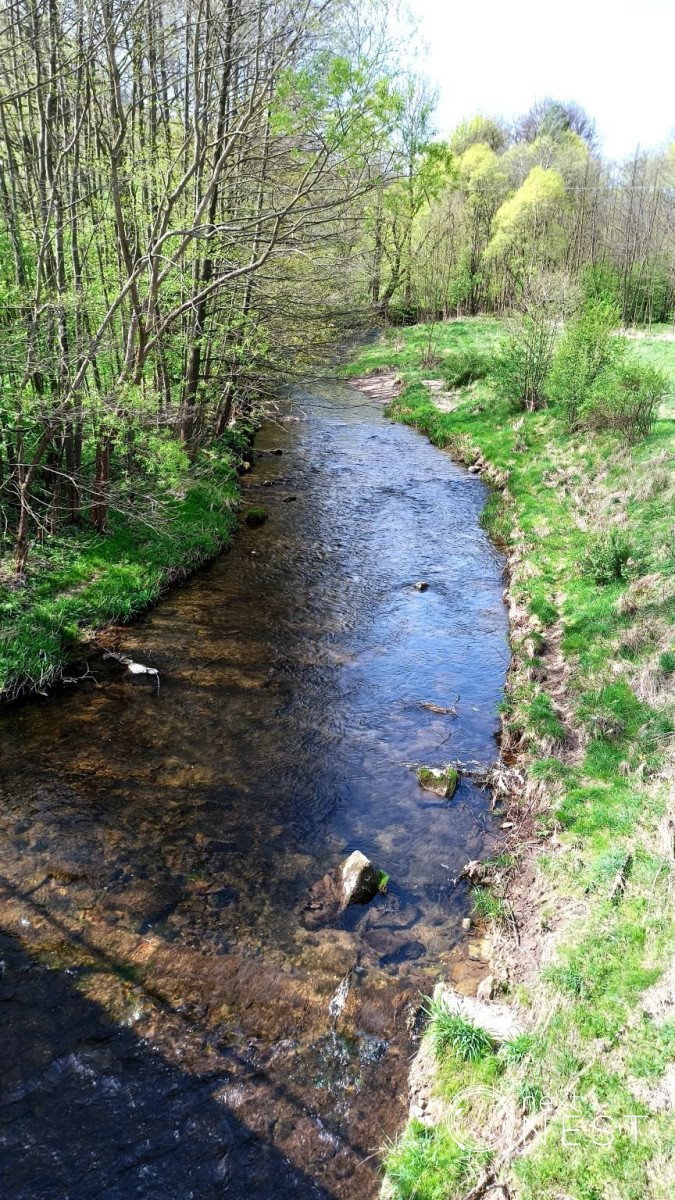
{"x": 360, "y": 879}
{"x": 440, "y": 782}
{"x": 355, "y": 881}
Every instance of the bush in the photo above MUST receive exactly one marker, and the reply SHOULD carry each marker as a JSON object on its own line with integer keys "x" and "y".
{"x": 609, "y": 557}
{"x": 521, "y": 366}
{"x": 520, "y": 370}
{"x": 465, "y": 367}
{"x": 587, "y": 347}
{"x": 626, "y": 400}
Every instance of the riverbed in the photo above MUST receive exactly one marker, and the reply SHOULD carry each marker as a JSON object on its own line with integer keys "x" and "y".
{"x": 175, "y": 1025}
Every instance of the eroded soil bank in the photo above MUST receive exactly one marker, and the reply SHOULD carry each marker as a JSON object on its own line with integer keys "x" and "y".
{"x": 173, "y": 1026}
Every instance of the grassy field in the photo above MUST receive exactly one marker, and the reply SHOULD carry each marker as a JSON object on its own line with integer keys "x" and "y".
{"x": 589, "y": 709}
{"x": 78, "y": 581}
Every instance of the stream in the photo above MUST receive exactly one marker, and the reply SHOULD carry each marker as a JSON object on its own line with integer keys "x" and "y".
{"x": 173, "y": 1024}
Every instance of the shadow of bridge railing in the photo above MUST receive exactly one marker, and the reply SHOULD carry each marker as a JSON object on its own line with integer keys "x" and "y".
{"x": 89, "y": 1110}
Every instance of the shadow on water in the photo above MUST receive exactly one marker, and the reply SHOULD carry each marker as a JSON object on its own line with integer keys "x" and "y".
{"x": 156, "y": 850}
{"x": 90, "y": 1110}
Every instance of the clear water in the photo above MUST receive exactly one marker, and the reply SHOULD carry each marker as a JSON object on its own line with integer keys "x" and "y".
{"x": 172, "y": 1027}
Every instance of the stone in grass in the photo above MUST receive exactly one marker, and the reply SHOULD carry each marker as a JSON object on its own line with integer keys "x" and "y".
{"x": 255, "y": 517}
{"x": 440, "y": 782}
{"x": 498, "y": 1020}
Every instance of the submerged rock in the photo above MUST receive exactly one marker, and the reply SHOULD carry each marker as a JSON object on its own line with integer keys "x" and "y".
{"x": 255, "y": 517}
{"x": 354, "y": 881}
{"x": 421, "y": 586}
{"x": 440, "y": 782}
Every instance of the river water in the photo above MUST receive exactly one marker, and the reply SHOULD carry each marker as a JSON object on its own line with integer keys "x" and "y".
{"x": 173, "y": 1023}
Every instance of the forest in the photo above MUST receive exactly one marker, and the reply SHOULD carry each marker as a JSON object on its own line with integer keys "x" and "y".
{"x": 199, "y": 203}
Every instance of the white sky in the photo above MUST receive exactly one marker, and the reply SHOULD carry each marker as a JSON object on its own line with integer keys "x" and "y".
{"x": 615, "y": 57}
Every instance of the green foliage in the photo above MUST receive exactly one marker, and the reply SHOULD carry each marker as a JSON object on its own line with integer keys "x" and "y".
{"x": 543, "y": 718}
{"x": 651, "y": 1048}
{"x": 648, "y": 292}
{"x": 450, "y": 1032}
{"x": 609, "y": 557}
{"x": 529, "y": 219}
{"x": 84, "y": 581}
{"x": 478, "y": 129}
{"x": 625, "y": 399}
{"x": 601, "y": 284}
{"x": 530, "y": 1097}
{"x": 523, "y": 363}
{"x": 587, "y": 347}
{"x": 496, "y": 520}
{"x": 667, "y": 662}
{"x": 465, "y": 366}
{"x": 517, "y": 1050}
{"x": 544, "y": 609}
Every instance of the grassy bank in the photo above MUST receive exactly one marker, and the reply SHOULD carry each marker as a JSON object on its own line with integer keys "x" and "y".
{"x": 79, "y": 582}
{"x": 578, "y": 908}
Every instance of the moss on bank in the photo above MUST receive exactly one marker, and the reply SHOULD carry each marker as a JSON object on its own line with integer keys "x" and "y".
{"x": 79, "y": 581}
{"x": 589, "y": 713}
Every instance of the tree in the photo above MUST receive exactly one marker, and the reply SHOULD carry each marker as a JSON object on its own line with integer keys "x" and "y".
{"x": 487, "y": 131}
{"x": 553, "y": 118}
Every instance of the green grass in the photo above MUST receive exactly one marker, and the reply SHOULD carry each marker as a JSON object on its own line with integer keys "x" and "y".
{"x": 450, "y": 1032}
{"x": 593, "y": 524}
{"x": 427, "y": 1164}
{"x": 79, "y": 581}
{"x": 489, "y": 907}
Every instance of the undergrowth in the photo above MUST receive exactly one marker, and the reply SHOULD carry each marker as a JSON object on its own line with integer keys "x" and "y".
{"x": 80, "y": 581}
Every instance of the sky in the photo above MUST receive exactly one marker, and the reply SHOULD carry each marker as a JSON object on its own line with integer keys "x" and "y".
{"x": 614, "y": 57}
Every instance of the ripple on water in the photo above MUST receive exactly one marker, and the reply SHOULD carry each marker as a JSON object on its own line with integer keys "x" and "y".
{"x": 156, "y": 849}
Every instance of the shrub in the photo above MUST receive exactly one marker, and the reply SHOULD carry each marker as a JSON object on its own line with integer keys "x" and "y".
{"x": 522, "y": 364}
{"x": 465, "y": 367}
{"x": 520, "y": 370}
{"x": 587, "y": 347}
{"x": 626, "y": 399}
{"x": 609, "y": 557}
